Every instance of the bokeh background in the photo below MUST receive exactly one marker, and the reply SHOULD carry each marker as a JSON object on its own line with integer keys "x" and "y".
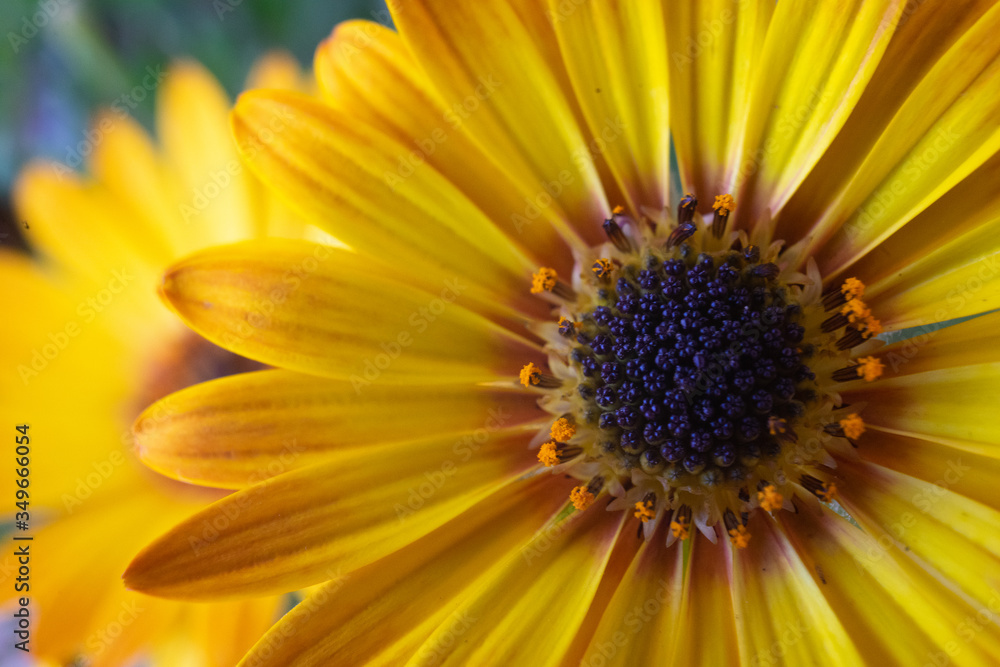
{"x": 61, "y": 60}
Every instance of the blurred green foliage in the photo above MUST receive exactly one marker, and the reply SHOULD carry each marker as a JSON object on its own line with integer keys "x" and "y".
{"x": 61, "y": 60}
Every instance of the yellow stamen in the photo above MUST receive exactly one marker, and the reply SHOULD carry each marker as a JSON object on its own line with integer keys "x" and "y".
{"x": 724, "y": 204}
{"x": 769, "y": 498}
{"x": 680, "y": 528}
{"x": 618, "y": 210}
{"x": 740, "y": 537}
{"x": 543, "y": 281}
{"x": 531, "y": 374}
{"x": 853, "y": 288}
{"x": 644, "y": 511}
{"x": 602, "y": 267}
{"x": 581, "y": 497}
{"x": 870, "y": 368}
{"x": 853, "y": 426}
{"x": 549, "y": 454}
{"x": 563, "y": 430}
{"x": 829, "y": 492}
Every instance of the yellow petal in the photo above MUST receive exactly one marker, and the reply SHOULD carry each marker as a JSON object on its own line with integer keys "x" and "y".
{"x": 895, "y": 611}
{"x": 939, "y": 387}
{"x": 928, "y": 272}
{"x": 640, "y": 623}
{"x": 302, "y": 527}
{"x": 707, "y": 594}
{"x": 212, "y": 189}
{"x": 935, "y": 463}
{"x": 278, "y": 70}
{"x": 328, "y": 311}
{"x": 924, "y": 33}
{"x": 943, "y": 131}
{"x": 780, "y": 611}
{"x": 952, "y": 536}
{"x": 498, "y": 68}
{"x": 366, "y": 71}
{"x": 382, "y": 613}
{"x": 341, "y": 176}
{"x": 617, "y": 60}
{"x": 817, "y": 59}
{"x": 715, "y": 51}
{"x": 235, "y": 431}
{"x": 532, "y": 605}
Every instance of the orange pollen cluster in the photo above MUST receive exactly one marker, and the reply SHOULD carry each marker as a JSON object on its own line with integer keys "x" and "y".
{"x": 581, "y": 497}
{"x": 531, "y": 375}
{"x": 680, "y": 528}
{"x": 618, "y": 210}
{"x": 853, "y": 288}
{"x": 740, "y": 537}
{"x": 856, "y": 311}
{"x": 852, "y": 425}
{"x": 644, "y": 511}
{"x": 548, "y": 454}
{"x": 563, "y": 430}
{"x": 769, "y": 498}
{"x": 724, "y": 204}
{"x": 870, "y": 368}
{"x": 543, "y": 281}
{"x": 776, "y": 425}
{"x": 602, "y": 268}
{"x": 828, "y": 492}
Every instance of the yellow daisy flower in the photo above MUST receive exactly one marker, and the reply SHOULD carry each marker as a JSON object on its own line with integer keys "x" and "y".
{"x": 90, "y": 345}
{"x": 803, "y": 493}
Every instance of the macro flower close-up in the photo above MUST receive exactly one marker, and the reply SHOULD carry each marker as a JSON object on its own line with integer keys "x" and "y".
{"x": 551, "y": 332}
{"x": 620, "y": 365}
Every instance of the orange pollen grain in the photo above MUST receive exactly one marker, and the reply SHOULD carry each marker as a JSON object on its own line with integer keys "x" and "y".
{"x": 853, "y": 426}
{"x": 644, "y": 511}
{"x": 776, "y": 425}
{"x": 769, "y": 498}
{"x": 618, "y": 210}
{"x": 724, "y": 204}
{"x": 543, "y": 281}
{"x": 740, "y": 537}
{"x": 873, "y": 327}
{"x": 549, "y": 454}
{"x": 602, "y": 267}
{"x": 853, "y": 288}
{"x": 856, "y": 311}
{"x": 680, "y": 528}
{"x": 531, "y": 374}
{"x": 870, "y": 368}
{"x": 581, "y": 497}
{"x": 829, "y": 492}
{"x": 563, "y": 430}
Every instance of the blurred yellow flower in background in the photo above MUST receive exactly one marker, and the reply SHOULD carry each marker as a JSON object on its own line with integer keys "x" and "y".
{"x": 92, "y": 345}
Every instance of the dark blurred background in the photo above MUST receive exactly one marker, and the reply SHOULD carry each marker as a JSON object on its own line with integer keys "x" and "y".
{"x": 61, "y": 60}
